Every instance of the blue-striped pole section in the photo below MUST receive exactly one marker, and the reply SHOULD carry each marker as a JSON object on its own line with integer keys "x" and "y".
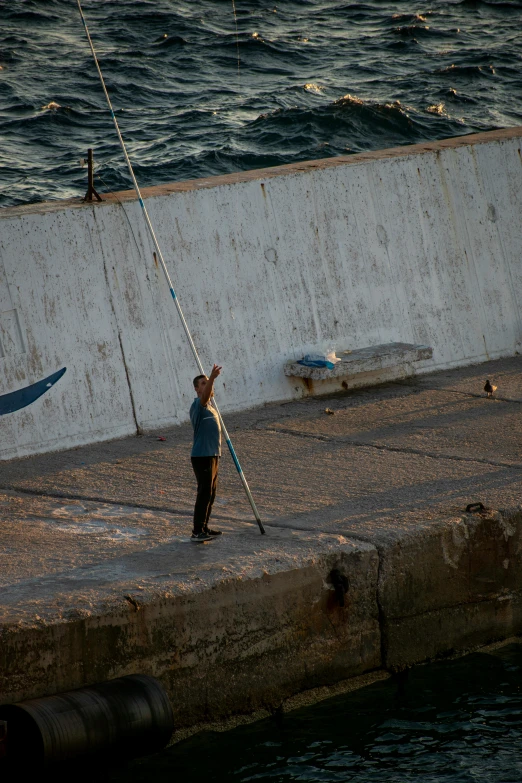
{"x": 169, "y": 281}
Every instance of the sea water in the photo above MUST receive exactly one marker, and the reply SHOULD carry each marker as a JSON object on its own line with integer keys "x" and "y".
{"x": 200, "y": 90}
{"x": 455, "y": 721}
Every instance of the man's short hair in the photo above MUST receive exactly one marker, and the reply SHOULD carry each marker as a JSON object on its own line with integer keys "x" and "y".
{"x": 197, "y": 380}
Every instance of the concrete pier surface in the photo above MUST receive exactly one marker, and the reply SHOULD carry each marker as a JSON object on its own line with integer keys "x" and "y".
{"x": 98, "y": 576}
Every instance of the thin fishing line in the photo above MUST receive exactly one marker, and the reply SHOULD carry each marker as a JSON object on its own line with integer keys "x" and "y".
{"x": 112, "y": 193}
{"x": 237, "y": 44}
{"x": 238, "y": 103}
{"x": 166, "y": 273}
{"x": 236, "y": 189}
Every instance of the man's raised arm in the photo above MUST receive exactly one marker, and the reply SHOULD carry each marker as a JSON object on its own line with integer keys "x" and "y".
{"x": 209, "y": 386}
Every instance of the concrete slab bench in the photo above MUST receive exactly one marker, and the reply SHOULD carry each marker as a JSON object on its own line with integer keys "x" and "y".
{"x": 361, "y": 367}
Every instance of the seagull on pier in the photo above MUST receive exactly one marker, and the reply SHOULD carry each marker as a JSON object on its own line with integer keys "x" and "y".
{"x": 489, "y": 389}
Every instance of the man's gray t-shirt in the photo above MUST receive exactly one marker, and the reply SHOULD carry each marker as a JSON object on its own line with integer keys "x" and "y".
{"x": 207, "y": 430}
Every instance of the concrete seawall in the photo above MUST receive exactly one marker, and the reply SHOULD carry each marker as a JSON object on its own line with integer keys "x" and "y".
{"x": 99, "y": 578}
{"x": 240, "y": 644}
{"x": 417, "y": 244}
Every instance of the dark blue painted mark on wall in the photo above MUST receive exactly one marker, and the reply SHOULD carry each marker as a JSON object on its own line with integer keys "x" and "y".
{"x": 9, "y": 403}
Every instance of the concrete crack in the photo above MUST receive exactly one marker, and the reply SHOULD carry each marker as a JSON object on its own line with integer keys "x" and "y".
{"x": 115, "y": 316}
{"x": 131, "y": 393}
{"x": 395, "y": 449}
{"x": 383, "y": 622}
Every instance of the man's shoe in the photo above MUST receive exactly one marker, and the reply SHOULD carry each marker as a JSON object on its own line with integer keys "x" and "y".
{"x": 213, "y": 532}
{"x": 198, "y": 537}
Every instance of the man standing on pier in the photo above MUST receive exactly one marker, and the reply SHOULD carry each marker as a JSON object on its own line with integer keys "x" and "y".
{"x": 206, "y": 452}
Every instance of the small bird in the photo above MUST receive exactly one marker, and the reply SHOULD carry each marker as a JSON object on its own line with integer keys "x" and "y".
{"x": 489, "y": 389}
{"x": 329, "y": 411}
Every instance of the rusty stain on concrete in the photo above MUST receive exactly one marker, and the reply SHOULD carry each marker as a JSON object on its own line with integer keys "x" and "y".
{"x": 103, "y": 350}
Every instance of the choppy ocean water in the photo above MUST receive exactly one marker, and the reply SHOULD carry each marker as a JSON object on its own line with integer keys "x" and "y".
{"x": 316, "y": 78}
{"x": 451, "y": 722}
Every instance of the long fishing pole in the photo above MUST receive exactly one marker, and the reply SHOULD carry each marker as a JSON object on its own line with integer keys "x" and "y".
{"x": 167, "y": 276}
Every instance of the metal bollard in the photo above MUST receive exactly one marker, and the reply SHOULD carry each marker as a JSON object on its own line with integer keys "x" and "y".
{"x": 130, "y": 716}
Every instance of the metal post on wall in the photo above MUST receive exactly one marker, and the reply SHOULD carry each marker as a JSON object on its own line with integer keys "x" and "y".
{"x": 91, "y": 190}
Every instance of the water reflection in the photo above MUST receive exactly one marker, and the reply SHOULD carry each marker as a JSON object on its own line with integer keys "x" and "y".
{"x": 451, "y": 721}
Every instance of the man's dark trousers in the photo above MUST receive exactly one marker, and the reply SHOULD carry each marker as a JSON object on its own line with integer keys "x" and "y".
{"x": 206, "y": 470}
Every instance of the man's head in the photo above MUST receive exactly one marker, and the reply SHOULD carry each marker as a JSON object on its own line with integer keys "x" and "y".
{"x": 200, "y": 381}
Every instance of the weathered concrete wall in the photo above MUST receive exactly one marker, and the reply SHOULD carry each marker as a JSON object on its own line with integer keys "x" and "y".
{"x": 451, "y": 588}
{"x": 241, "y": 645}
{"x": 418, "y": 244}
{"x": 238, "y": 647}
